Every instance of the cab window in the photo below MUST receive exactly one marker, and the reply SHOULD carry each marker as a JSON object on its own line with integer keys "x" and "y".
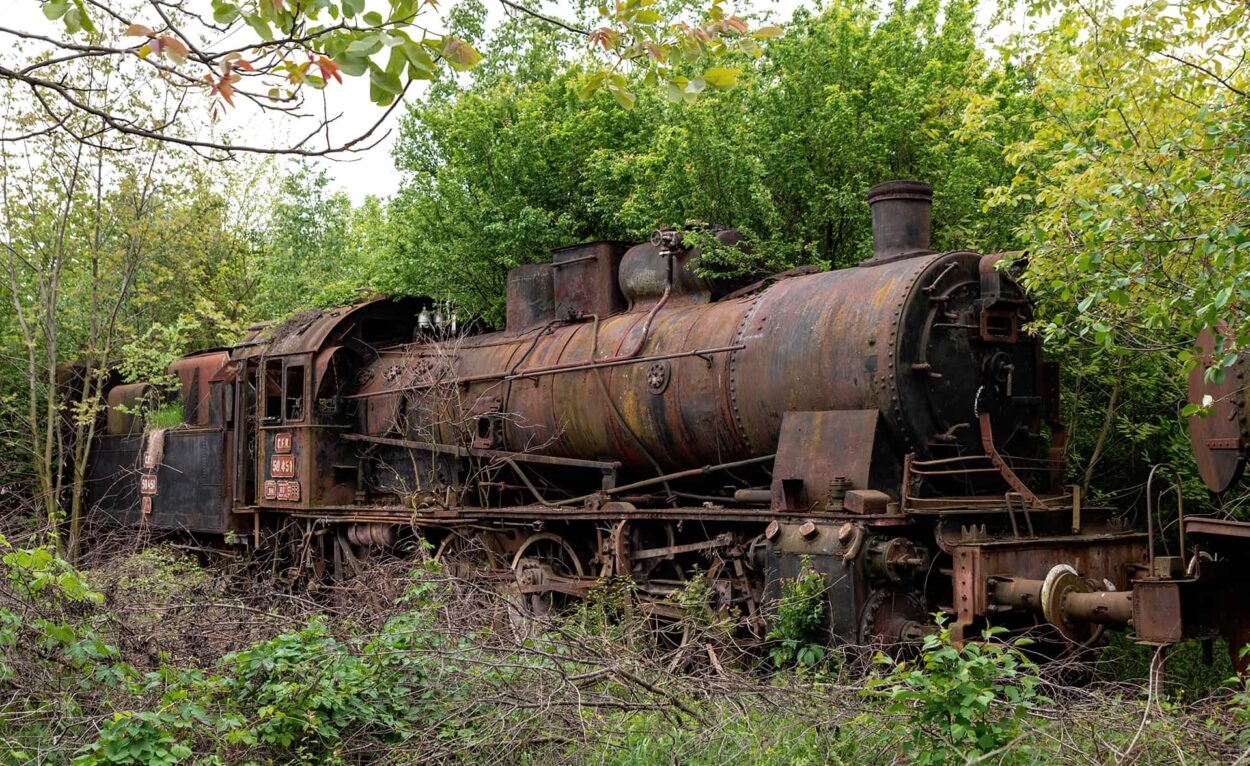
{"x": 294, "y": 396}
{"x": 273, "y": 390}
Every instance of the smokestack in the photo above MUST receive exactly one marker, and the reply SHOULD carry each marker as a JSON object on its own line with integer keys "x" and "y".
{"x": 900, "y": 219}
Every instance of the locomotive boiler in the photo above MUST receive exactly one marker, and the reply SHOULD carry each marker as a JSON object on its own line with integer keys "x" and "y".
{"x": 891, "y": 426}
{"x": 665, "y": 374}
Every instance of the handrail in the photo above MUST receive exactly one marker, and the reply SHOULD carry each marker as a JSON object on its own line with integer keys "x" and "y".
{"x": 1180, "y": 510}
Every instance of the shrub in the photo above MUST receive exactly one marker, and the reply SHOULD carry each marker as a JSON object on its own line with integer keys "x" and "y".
{"x": 1239, "y": 706}
{"x": 796, "y": 630}
{"x": 956, "y": 704}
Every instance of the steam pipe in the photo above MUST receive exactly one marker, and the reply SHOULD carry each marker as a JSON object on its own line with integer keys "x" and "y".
{"x": 638, "y": 484}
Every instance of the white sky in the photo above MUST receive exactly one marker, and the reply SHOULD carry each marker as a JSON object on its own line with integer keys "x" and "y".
{"x": 359, "y": 174}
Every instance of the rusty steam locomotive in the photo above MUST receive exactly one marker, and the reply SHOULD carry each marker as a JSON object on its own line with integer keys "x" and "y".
{"x": 892, "y": 423}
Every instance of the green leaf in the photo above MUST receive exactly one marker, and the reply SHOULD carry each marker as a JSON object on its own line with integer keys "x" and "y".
{"x": 721, "y": 77}
{"x": 224, "y": 13}
{"x": 352, "y": 65}
{"x": 366, "y": 45}
{"x": 84, "y": 18}
{"x": 748, "y": 46}
{"x": 420, "y": 65}
{"x": 385, "y": 81}
{"x": 55, "y": 9}
{"x": 623, "y": 96}
{"x": 260, "y": 26}
{"x": 592, "y": 85}
{"x": 676, "y": 91}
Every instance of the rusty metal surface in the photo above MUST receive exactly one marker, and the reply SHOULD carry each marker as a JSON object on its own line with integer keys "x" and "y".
{"x": 879, "y": 337}
{"x": 901, "y": 212}
{"x": 584, "y": 279}
{"x": 649, "y": 270}
{"x": 1219, "y": 440}
{"x": 817, "y": 448}
{"x": 531, "y": 297}
{"x": 1206, "y": 526}
{"x": 194, "y": 374}
{"x": 991, "y": 451}
{"x": 526, "y": 514}
{"x": 309, "y": 331}
{"x": 1113, "y": 557}
{"x": 868, "y": 338}
{"x": 124, "y": 405}
{"x": 1159, "y": 612}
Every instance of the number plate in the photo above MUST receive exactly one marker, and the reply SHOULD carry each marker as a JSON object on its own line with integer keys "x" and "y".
{"x": 282, "y": 466}
{"x": 288, "y": 491}
{"x": 283, "y": 491}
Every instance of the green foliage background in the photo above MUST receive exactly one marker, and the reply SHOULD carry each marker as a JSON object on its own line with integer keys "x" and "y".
{"x": 1106, "y": 140}
{"x": 504, "y": 167}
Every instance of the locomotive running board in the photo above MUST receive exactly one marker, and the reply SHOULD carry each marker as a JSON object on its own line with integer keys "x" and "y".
{"x": 527, "y": 513}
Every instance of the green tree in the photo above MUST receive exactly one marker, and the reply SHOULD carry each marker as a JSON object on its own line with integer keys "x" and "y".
{"x": 513, "y": 163}
{"x": 497, "y": 173}
{"x": 98, "y": 247}
{"x": 1130, "y": 190}
{"x": 304, "y": 257}
{"x": 1136, "y": 174}
{"x": 850, "y": 97}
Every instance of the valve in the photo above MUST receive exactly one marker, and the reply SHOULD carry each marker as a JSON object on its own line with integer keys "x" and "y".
{"x": 896, "y": 559}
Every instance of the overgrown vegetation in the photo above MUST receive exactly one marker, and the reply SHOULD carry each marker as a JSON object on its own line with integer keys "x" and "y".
{"x": 407, "y": 664}
{"x": 799, "y": 616}
{"x": 514, "y": 163}
{"x": 964, "y": 704}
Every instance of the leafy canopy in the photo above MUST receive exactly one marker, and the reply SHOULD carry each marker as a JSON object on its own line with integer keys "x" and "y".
{"x": 271, "y": 52}
{"x": 1134, "y": 179}
{"x": 519, "y": 159}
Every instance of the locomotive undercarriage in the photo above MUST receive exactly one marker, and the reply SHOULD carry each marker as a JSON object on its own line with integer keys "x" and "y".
{"x": 545, "y": 530}
{"x": 542, "y": 564}
{"x": 887, "y": 574}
